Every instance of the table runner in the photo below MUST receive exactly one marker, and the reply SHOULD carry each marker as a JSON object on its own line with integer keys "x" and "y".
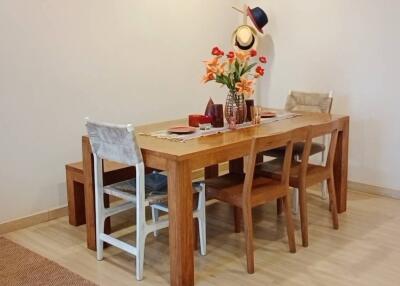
{"x": 164, "y": 134}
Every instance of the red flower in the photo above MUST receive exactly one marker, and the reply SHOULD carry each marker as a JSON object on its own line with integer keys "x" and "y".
{"x": 230, "y": 55}
{"x": 217, "y": 52}
{"x": 253, "y": 53}
{"x": 263, "y": 59}
{"x": 260, "y": 70}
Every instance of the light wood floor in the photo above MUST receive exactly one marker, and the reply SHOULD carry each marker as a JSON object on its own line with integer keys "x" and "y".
{"x": 364, "y": 251}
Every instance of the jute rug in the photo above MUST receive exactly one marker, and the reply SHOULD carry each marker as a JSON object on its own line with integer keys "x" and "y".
{"x": 20, "y": 266}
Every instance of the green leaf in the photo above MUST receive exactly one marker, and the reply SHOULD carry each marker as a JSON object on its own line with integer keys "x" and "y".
{"x": 248, "y": 68}
{"x": 237, "y": 77}
{"x": 229, "y": 80}
{"x": 223, "y": 79}
{"x": 219, "y": 79}
{"x": 237, "y": 67}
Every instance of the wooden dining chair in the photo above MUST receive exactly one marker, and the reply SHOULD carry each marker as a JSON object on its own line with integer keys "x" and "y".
{"x": 246, "y": 191}
{"x": 304, "y": 174}
{"x": 118, "y": 143}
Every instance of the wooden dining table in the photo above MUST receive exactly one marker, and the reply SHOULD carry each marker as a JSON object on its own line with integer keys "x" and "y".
{"x": 179, "y": 159}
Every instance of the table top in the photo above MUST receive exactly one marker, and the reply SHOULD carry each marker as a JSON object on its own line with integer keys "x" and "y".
{"x": 172, "y": 149}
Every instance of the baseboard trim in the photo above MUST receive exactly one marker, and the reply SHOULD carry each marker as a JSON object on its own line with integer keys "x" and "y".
{"x": 34, "y": 219}
{"x": 374, "y": 190}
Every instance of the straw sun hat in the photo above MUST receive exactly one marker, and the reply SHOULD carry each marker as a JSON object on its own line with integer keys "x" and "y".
{"x": 245, "y": 38}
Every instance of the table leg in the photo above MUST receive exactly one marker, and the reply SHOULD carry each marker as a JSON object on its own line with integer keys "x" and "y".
{"x": 236, "y": 166}
{"x": 90, "y": 214}
{"x": 211, "y": 171}
{"x": 180, "y": 204}
{"x": 341, "y": 167}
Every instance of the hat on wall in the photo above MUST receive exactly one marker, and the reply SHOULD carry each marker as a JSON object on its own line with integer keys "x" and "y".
{"x": 258, "y": 17}
{"x": 245, "y": 38}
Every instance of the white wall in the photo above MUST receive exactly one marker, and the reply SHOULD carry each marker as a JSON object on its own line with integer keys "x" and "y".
{"x": 120, "y": 61}
{"x": 350, "y": 47}
{"x": 140, "y": 61}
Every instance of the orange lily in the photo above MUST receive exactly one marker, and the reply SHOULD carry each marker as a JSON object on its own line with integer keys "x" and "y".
{"x": 208, "y": 76}
{"x": 245, "y": 86}
{"x": 213, "y": 66}
{"x": 242, "y": 56}
{"x": 220, "y": 69}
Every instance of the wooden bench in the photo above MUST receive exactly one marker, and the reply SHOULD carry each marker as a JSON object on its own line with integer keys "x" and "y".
{"x": 113, "y": 173}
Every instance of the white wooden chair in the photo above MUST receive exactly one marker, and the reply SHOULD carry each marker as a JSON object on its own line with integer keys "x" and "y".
{"x": 310, "y": 102}
{"x": 118, "y": 143}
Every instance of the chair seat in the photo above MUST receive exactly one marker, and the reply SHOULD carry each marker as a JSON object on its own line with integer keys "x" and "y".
{"x": 229, "y": 188}
{"x": 273, "y": 169}
{"x": 298, "y": 148}
{"x": 126, "y": 190}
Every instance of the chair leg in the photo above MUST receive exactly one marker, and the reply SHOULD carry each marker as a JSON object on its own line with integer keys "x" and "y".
{"x": 237, "y": 214}
{"x": 279, "y": 206}
{"x": 196, "y": 224}
{"x": 303, "y": 215}
{"x": 140, "y": 242}
{"x": 99, "y": 242}
{"x": 202, "y": 222}
{"x": 324, "y": 191}
{"x": 295, "y": 194}
{"x": 155, "y": 214}
{"x": 295, "y": 201}
{"x": 248, "y": 231}
{"x": 332, "y": 202}
{"x": 289, "y": 224}
{"x": 195, "y": 234}
{"x": 324, "y": 187}
{"x": 100, "y": 219}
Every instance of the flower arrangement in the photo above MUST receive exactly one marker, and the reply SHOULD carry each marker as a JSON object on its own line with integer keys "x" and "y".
{"x": 235, "y": 71}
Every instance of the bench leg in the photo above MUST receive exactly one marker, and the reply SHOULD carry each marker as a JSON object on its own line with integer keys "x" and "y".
{"x": 76, "y": 201}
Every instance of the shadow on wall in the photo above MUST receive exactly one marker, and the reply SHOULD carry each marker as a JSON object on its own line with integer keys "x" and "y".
{"x": 359, "y": 168}
{"x": 266, "y": 47}
{"x": 340, "y": 103}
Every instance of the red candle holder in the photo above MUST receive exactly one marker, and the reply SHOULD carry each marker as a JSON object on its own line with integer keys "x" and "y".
{"x": 218, "y": 117}
{"x": 196, "y": 119}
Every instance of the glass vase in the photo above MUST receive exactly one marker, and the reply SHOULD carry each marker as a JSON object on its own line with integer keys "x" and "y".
{"x": 235, "y": 106}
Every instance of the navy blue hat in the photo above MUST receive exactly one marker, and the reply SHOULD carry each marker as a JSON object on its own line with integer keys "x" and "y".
{"x": 259, "y": 17}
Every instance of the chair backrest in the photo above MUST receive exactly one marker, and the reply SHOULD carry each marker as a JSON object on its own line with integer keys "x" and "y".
{"x": 114, "y": 142}
{"x": 262, "y": 144}
{"x": 309, "y": 101}
{"x": 331, "y": 128}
